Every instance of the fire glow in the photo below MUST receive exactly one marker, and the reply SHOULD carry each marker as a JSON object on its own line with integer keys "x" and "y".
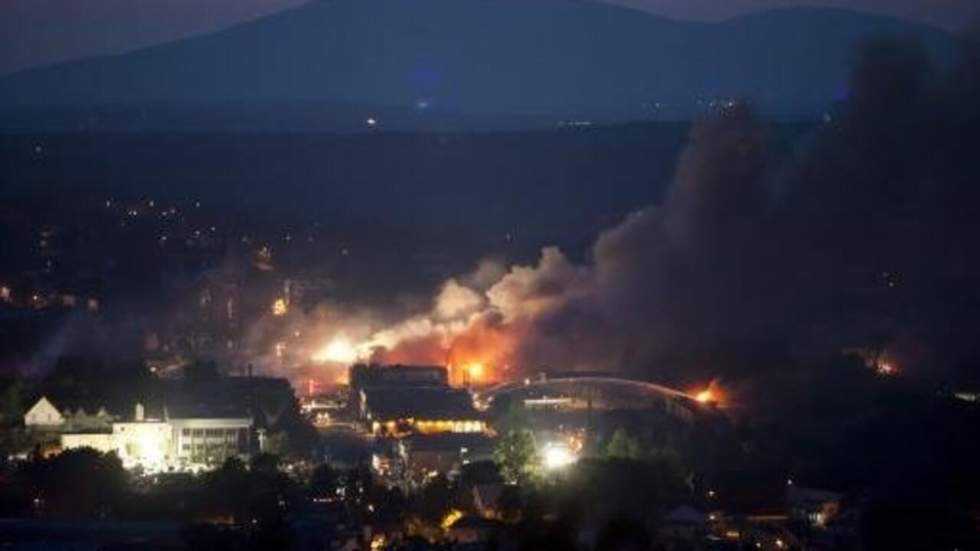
{"x": 477, "y": 326}
{"x": 339, "y": 350}
{"x": 709, "y": 395}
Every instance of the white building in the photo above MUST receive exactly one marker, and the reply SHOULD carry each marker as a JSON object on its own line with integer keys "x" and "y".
{"x": 209, "y": 441}
{"x": 147, "y": 444}
{"x": 44, "y": 416}
{"x": 170, "y": 444}
{"x": 102, "y": 442}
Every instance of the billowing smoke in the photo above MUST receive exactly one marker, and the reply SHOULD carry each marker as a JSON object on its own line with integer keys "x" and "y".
{"x": 860, "y": 237}
{"x": 658, "y": 285}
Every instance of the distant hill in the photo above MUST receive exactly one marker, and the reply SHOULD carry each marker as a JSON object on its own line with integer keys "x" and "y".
{"x": 557, "y": 59}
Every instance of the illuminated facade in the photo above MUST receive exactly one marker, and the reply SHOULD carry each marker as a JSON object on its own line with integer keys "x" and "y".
{"x": 101, "y": 442}
{"x": 146, "y": 444}
{"x": 405, "y": 427}
{"x": 186, "y": 444}
{"x": 210, "y": 441}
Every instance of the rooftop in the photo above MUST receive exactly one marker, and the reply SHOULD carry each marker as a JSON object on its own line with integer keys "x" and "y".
{"x": 425, "y": 402}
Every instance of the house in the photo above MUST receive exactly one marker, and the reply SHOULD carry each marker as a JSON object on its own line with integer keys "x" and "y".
{"x": 58, "y": 415}
{"x": 82, "y": 421}
{"x": 43, "y": 415}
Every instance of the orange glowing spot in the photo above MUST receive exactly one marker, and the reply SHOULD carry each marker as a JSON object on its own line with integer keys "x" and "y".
{"x": 338, "y": 350}
{"x": 279, "y": 307}
{"x": 712, "y": 394}
{"x": 885, "y": 368}
{"x": 475, "y": 370}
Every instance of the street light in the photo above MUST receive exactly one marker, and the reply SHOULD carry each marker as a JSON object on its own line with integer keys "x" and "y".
{"x": 557, "y": 456}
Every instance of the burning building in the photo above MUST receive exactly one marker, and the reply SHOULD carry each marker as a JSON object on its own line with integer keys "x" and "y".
{"x": 400, "y": 400}
{"x": 372, "y": 375}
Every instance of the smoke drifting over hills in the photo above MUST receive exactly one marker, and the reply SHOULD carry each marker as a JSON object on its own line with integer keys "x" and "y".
{"x": 858, "y": 241}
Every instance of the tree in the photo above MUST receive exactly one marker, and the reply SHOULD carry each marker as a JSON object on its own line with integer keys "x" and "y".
{"x": 13, "y": 399}
{"x": 227, "y": 487}
{"x": 517, "y": 458}
{"x": 601, "y": 489}
{"x": 79, "y": 482}
{"x": 324, "y": 481}
{"x": 513, "y": 416}
{"x": 264, "y": 463}
{"x": 623, "y": 446}
{"x": 358, "y": 484}
{"x": 622, "y": 533}
{"x": 670, "y": 463}
{"x": 276, "y": 443}
{"x": 434, "y": 500}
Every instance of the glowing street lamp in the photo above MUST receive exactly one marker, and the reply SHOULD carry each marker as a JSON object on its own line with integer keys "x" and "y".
{"x": 557, "y": 456}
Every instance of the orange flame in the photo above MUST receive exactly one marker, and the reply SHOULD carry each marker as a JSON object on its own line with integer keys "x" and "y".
{"x": 712, "y": 394}
{"x": 478, "y": 354}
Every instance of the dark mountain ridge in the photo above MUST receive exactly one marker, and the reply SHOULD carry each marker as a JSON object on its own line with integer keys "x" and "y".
{"x": 556, "y": 59}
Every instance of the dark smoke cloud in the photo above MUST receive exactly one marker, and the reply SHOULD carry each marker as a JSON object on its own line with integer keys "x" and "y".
{"x": 865, "y": 237}
{"x": 661, "y": 282}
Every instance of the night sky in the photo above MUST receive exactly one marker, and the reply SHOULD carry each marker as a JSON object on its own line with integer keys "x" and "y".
{"x": 34, "y": 32}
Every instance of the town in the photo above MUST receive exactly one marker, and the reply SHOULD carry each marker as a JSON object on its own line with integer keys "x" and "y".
{"x": 396, "y": 456}
{"x": 489, "y": 275}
